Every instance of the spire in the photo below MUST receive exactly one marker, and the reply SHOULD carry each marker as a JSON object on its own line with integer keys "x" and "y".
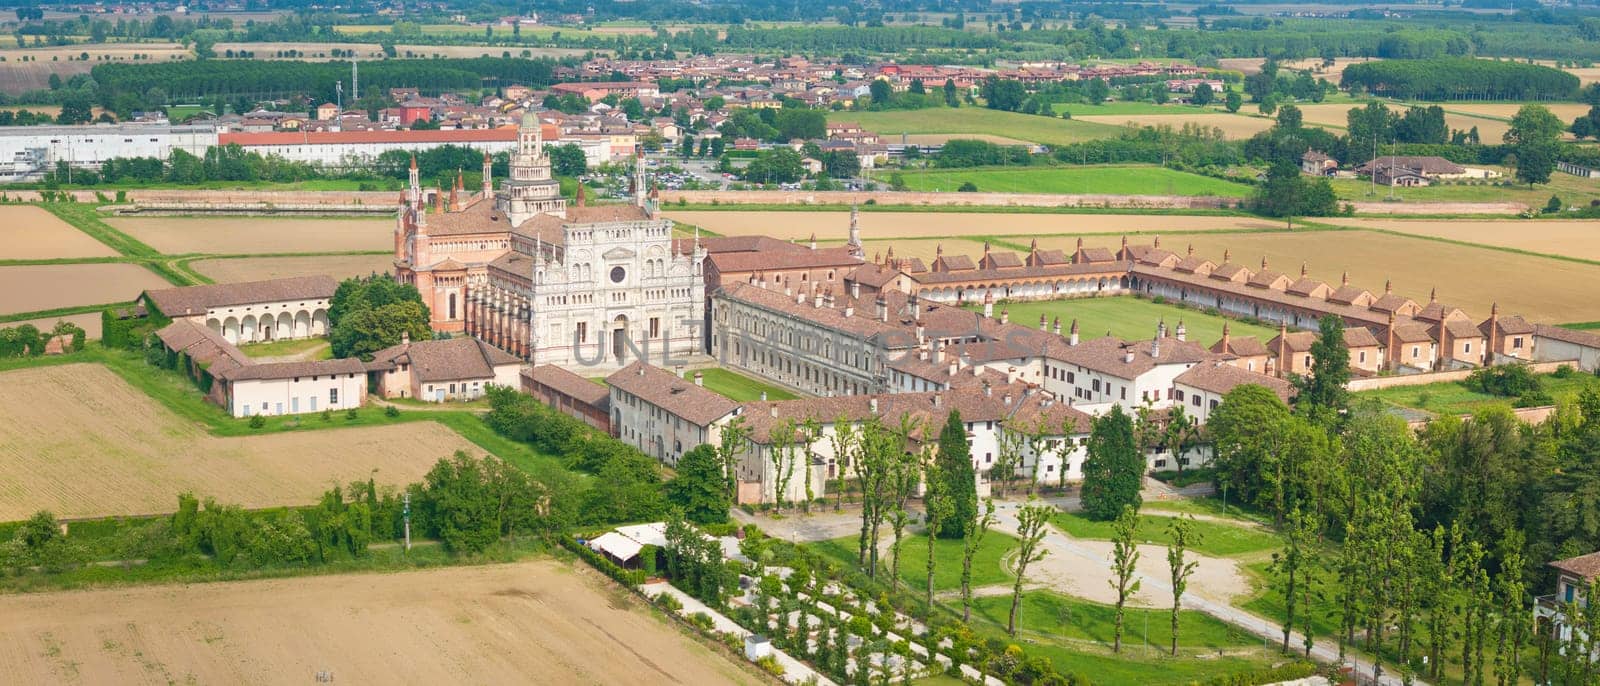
{"x": 455, "y": 198}
{"x": 639, "y": 192}
{"x": 1494, "y": 309}
{"x": 1157, "y": 242}
{"x": 1433, "y": 295}
{"x": 488, "y": 176}
{"x": 1227, "y": 256}
{"x": 416, "y": 183}
{"x": 1080, "y": 243}
{"x": 853, "y": 245}
{"x": 1263, "y": 262}
{"x": 1388, "y": 286}
{"x": 1034, "y": 246}
{"x": 1191, "y": 250}
{"x": 1304, "y": 272}
{"x": 1224, "y": 345}
{"x": 813, "y": 240}
{"x": 938, "y": 250}
{"x": 1344, "y": 279}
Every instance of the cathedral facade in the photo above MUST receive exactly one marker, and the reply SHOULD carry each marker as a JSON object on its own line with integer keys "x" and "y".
{"x": 575, "y": 286}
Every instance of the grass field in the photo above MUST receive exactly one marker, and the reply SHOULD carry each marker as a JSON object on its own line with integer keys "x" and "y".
{"x": 479, "y": 624}
{"x": 1573, "y": 191}
{"x": 989, "y": 565}
{"x": 1110, "y": 180}
{"x": 1025, "y": 127}
{"x": 738, "y": 387}
{"x": 1233, "y": 126}
{"x": 835, "y": 224}
{"x": 1077, "y": 637}
{"x": 1215, "y": 538}
{"x": 1456, "y": 398}
{"x": 1128, "y": 318}
{"x": 291, "y": 347}
{"x": 1079, "y": 109}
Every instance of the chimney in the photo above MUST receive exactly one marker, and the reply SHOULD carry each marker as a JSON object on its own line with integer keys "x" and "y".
{"x": 855, "y": 289}
{"x": 1304, "y": 272}
{"x": 916, "y": 306}
{"x": 813, "y": 240}
{"x": 1127, "y": 354}
{"x": 1005, "y": 315}
{"x": 872, "y": 405}
{"x": 1008, "y": 400}
{"x": 988, "y": 305}
{"x": 988, "y": 391}
{"x": 1227, "y": 256}
{"x": 771, "y": 411}
{"x": 581, "y": 195}
{"x": 849, "y": 311}
{"x": 800, "y": 298}
{"x": 1056, "y": 326}
{"x": 1155, "y": 348}
{"x": 883, "y": 308}
{"x": 1073, "y": 339}
{"x": 1157, "y": 242}
{"x": 938, "y": 401}
{"x": 641, "y": 369}
{"x": 405, "y": 338}
{"x": 1433, "y": 295}
{"x": 1011, "y": 374}
{"x": 1191, "y": 250}
{"x": 1161, "y": 328}
{"x": 1388, "y": 286}
{"x": 1044, "y": 323}
{"x": 699, "y": 379}
{"x": 922, "y": 354}
{"x": 1344, "y": 279}
{"x": 1183, "y": 334}
{"x": 816, "y": 300}
{"x": 955, "y": 365}
{"x": 1225, "y": 344}
{"x": 920, "y": 333}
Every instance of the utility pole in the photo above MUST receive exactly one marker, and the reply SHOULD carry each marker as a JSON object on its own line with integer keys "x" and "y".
{"x": 406, "y": 514}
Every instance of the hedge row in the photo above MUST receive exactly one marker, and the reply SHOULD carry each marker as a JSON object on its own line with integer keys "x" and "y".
{"x": 627, "y": 577}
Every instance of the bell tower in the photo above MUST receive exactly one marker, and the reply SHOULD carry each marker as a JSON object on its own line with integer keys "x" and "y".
{"x": 531, "y": 189}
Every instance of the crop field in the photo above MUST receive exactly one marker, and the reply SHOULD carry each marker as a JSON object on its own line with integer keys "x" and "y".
{"x": 1573, "y": 190}
{"x": 269, "y": 51}
{"x": 1472, "y": 278}
{"x": 1566, "y": 111}
{"x": 32, "y": 288}
{"x": 1335, "y": 116}
{"x": 1251, "y": 65}
{"x": 1079, "y": 109}
{"x": 1234, "y": 126}
{"x": 481, "y": 624}
{"x": 18, "y": 76}
{"x": 245, "y": 235}
{"x": 942, "y": 138}
{"x": 1027, "y": 127}
{"x": 1109, "y": 180}
{"x": 262, "y": 268}
{"x": 1128, "y": 318}
{"x": 28, "y": 232}
{"x": 80, "y": 441}
{"x": 799, "y": 225}
{"x": 1574, "y": 238}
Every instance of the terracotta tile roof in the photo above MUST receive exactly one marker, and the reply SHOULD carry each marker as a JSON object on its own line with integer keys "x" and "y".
{"x": 1037, "y": 409}
{"x": 1195, "y": 265}
{"x": 1229, "y": 271}
{"x": 1585, "y": 566}
{"x": 666, "y": 390}
{"x": 1459, "y": 328}
{"x": 913, "y": 265}
{"x": 1391, "y": 302}
{"x": 861, "y": 323}
{"x": 478, "y": 217}
{"x": 950, "y": 263}
{"x": 1002, "y": 260}
{"x": 452, "y": 359}
{"x": 1584, "y": 338}
{"x": 1078, "y": 269}
{"x": 1297, "y": 341}
{"x": 403, "y": 136}
{"x": 287, "y": 370}
{"x": 206, "y": 347}
{"x": 1309, "y": 288}
{"x": 1412, "y": 332}
{"x": 1050, "y": 257}
{"x": 804, "y": 258}
{"x": 570, "y": 384}
{"x": 1512, "y": 325}
{"x": 1267, "y": 278}
{"x": 1242, "y": 346}
{"x": 1220, "y": 378}
{"x": 1108, "y": 355}
{"x": 191, "y": 300}
{"x": 1351, "y": 295}
{"x": 874, "y": 275}
{"x": 1436, "y": 312}
{"x": 1096, "y": 255}
{"x": 929, "y": 410}
{"x": 1159, "y": 257}
{"x": 1360, "y": 337}
{"x": 729, "y": 244}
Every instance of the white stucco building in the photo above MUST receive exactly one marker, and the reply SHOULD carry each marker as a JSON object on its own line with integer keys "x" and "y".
{"x": 294, "y": 387}
{"x": 438, "y": 371}
{"x": 251, "y": 311}
{"x": 27, "y": 152}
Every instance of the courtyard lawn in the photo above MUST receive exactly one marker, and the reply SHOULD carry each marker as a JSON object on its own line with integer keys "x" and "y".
{"x": 1455, "y": 398}
{"x": 1097, "y": 179}
{"x": 976, "y": 120}
{"x": 1129, "y": 318}
{"x": 989, "y": 566}
{"x": 1216, "y": 538}
{"x": 1076, "y": 636}
{"x": 317, "y": 347}
{"x": 740, "y": 388}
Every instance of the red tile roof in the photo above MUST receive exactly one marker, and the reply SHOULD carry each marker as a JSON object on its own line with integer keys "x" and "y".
{"x": 503, "y": 134}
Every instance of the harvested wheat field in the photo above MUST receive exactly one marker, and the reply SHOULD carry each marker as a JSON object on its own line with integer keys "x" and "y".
{"x": 245, "y": 235}
{"x": 32, "y": 233}
{"x": 18, "y": 76}
{"x": 530, "y": 622}
{"x": 1252, "y": 65}
{"x": 262, "y": 268}
{"x": 835, "y": 225}
{"x": 79, "y": 441}
{"x": 89, "y": 322}
{"x": 1337, "y": 116}
{"x": 1234, "y": 126}
{"x": 1539, "y": 288}
{"x": 46, "y": 287}
{"x": 1572, "y": 238}
{"x": 1566, "y": 111}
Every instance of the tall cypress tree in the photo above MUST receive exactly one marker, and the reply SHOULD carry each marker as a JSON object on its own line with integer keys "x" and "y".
{"x": 960, "y": 480}
{"x": 1114, "y": 469}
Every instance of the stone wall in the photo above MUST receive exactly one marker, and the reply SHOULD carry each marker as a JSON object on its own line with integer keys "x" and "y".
{"x": 1396, "y": 381}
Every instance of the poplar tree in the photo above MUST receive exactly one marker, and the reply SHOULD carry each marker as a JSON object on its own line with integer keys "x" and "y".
{"x": 969, "y": 548}
{"x": 1124, "y": 558}
{"x": 1032, "y": 521}
{"x": 1180, "y": 534}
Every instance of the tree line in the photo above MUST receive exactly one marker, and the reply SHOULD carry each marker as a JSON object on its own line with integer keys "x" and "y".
{"x": 1459, "y": 78}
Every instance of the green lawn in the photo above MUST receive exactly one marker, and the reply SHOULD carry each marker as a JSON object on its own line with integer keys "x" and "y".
{"x": 1216, "y": 538}
{"x": 740, "y": 388}
{"x": 988, "y": 565}
{"x": 977, "y": 120}
{"x": 1077, "y": 637}
{"x": 1098, "y": 179}
{"x": 323, "y": 351}
{"x": 1129, "y": 318}
{"x": 1206, "y": 505}
{"x": 1455, "y": 398}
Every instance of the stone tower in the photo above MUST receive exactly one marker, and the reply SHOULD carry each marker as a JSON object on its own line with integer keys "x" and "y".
{"x": 531, "y": 189}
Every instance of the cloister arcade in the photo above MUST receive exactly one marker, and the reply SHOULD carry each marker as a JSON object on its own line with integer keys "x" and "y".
{"x": 1042, "y": 288}
{"x": 268, "y": 326}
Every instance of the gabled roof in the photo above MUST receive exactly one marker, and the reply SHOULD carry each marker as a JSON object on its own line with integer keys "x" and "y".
{"x": 568, "y": 383}
{"x": 1220, "y": 377}
{"x": 1510, "y": 325}
{"x": 453, "y": 359}
{"x": 1294, "y": 341}
{"x": 666, "y": 390}
{"x": 193, "y": 300}
{"x": 288, "y": 370}
{"x": 1584, "y": 566}
{"x": 206, "y": 347}
{"x": 1241, "y": 346}
{"x": 1109, "y": 355}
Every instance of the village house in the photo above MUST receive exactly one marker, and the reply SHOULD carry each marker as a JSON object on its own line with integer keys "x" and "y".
{"x": 252, "y": 311}
{"x": 437, "y": 371}
{"x": 664, "y": 415}
{"x": 245, "y": 388}
{"x": 1573, "y": 579}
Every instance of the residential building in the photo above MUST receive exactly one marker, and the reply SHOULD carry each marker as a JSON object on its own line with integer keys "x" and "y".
{"x": 663, "y": 414}
{"x": 252, "y": 311}
{"x": 437, "y": 371}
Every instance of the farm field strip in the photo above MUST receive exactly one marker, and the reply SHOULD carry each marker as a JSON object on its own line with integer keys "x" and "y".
{"x": 46, "y": 287}
{"x": 1571, "y": 238}
{"x": 31, "y": 232}
{"x": 1095, "y": 180}
{"x": 978, "y": 120}
{"x": 244, "y": 235}
{"x": 481, "y": 624}
{"x": 225, "y": 270}
{"x": 1234, "y": 126}
{"x": 64, "y": 423}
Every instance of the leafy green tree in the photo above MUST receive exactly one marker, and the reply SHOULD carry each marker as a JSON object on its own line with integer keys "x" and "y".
{"x": 1033, "y": 522}
{"x": 1289, "y": 566}
{"x": 937, "y": 503}
{"x": 366, "y": 329}
{"x": 951, "y": 97}
{"x": 881, "y": 92}
{"x": 970, "y": 543}
{"x": 1203, "y": 95}
{"x": 457, "y": 497}
{"x": 1233, "y": 101}
{"x": 1323, "y": 391}
{"x": 1124, "y": 564}
{"x": 1289, "y": 118}
{"x": 1003, "y": 94}
{"x": 567, "y": 160}
{"x": 1114, "y": 470}
{"x": 699, "y": 488}
{"x": 960, "y": 479}
{"x": 1180, "y": 535}
{"x": 778, "y": 165}
{"x": 1096, "y": 91}
{"x": 841, "y": 164}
